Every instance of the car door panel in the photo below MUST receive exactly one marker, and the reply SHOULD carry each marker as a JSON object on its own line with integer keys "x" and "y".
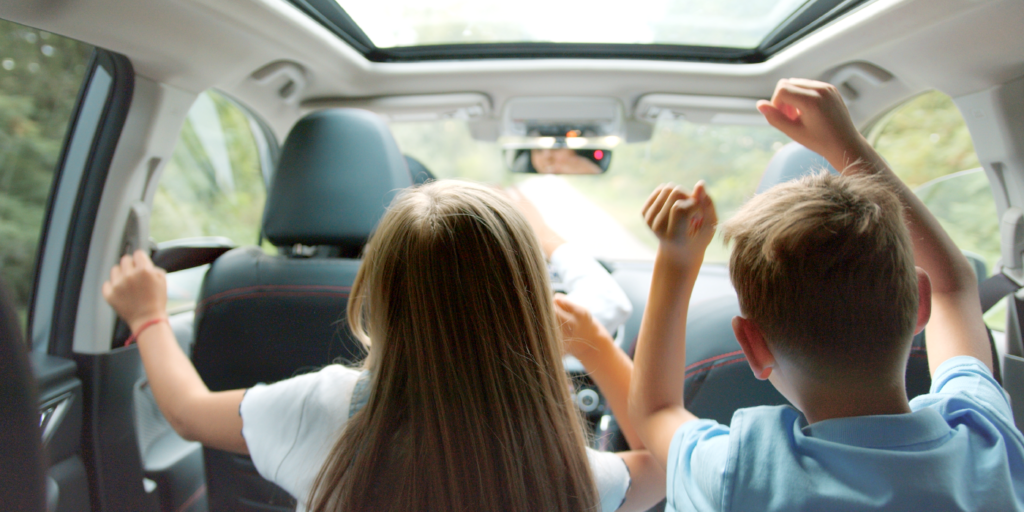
{"x": 60, "y": 410}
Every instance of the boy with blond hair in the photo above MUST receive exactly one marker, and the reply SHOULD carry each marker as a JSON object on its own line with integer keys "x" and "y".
{"x": 824, "y": 268}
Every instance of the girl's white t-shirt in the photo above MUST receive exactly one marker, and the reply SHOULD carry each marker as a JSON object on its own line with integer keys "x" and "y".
{"x": 291, "y": 426}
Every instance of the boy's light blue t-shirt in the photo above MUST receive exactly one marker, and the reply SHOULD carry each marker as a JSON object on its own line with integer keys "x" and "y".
{"x": 957, "y": 450}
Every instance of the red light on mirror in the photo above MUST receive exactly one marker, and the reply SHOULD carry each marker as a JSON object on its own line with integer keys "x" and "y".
{"x": 598, "y": 154}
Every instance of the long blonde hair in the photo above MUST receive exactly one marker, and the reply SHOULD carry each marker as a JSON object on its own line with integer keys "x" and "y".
{"x": 469, "y": 406}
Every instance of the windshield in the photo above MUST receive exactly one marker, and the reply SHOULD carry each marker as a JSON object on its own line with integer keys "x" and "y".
{"x": 721, "y": 23}
{"x": 602, "y": 212}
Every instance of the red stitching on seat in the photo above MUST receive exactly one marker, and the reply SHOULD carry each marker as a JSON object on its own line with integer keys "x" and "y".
{"x": 202, "y": 306}
{"x": 712, "y": 367}
{"x": 710, "y": 359}
{"x": 279, "y": 286}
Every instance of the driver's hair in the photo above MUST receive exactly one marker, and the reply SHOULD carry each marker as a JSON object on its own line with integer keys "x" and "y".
{"x": 825, "y": 267}
{"x": 469, "y": 406}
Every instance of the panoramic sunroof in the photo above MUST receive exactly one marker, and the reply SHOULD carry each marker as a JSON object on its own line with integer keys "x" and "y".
{"x": 712, "y": 30}
{"x": 723, "y": 23}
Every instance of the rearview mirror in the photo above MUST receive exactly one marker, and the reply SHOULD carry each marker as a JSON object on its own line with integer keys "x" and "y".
{"x": 558, "y": 161}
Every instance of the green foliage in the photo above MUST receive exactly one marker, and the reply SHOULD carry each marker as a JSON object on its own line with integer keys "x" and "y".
{"x": 449, "y": 151}
{"x": 729, "y": 159}
{"x": 925, "y": 139}
{"x": 40, "y": 75}
{"x": 192, "y": 200}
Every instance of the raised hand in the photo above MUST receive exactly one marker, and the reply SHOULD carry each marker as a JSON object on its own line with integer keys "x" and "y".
{"x": 684, "y": 222}
{"x": 813, "y": 114}
{"x": 137, "y": 290}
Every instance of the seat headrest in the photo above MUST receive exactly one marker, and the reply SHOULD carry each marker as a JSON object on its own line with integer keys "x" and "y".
{"x": 420, "y": 173}
{"x": 790, "y": 163}
{"x": 339, "y": 170}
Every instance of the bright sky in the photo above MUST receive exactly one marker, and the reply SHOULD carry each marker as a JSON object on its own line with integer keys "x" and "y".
{"x": 715, "y": 22}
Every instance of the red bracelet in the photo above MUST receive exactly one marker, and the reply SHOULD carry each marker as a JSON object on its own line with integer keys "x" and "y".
{"x": 135, "y": 335}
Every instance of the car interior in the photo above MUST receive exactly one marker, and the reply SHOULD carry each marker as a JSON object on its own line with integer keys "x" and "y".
{"x": 251, "y": 146}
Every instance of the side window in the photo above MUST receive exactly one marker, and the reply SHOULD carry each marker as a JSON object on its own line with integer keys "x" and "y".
{"x": 214, "y": 185}
{"x": 928, "y": 145}
{"x": 40, "y": 75}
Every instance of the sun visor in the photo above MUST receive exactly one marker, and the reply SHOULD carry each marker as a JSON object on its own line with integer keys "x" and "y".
{"x": 699, "y": 109}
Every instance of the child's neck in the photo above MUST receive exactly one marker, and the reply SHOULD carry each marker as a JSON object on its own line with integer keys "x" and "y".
{"x": 826, "y": 402}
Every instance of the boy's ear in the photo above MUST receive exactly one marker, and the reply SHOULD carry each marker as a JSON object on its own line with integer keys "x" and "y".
{"x": 924, "y": 299}
{"x": 751, "y": 340}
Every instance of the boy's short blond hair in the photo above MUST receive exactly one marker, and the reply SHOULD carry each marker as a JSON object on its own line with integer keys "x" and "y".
{"x": 825, "y": 267}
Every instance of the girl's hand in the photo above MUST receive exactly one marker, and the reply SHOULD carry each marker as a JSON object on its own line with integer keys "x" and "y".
{"x": 580, "y": 331}
{"x": 813, "y": 113}
{"x": 137, "y": 290}
{"x": 684, "y": 222}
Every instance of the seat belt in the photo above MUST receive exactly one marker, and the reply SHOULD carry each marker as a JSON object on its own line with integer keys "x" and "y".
{"x": 993, "y": 289}
{"x": 1010, "y": 276}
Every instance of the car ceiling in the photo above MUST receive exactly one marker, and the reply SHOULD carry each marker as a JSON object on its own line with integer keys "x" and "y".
{"x": 957, "y": 46}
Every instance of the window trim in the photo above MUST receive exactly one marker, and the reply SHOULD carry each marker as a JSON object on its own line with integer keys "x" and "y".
{"x": 73, "y": 203}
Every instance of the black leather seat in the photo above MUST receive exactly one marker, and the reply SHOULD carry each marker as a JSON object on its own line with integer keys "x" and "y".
{"x": 264, "y": 318}
{"x": 22, "y": 484}
{"x": 420, "y": 173}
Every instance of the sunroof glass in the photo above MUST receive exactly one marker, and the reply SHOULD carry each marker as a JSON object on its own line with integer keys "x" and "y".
{"x": 721, "y": 23}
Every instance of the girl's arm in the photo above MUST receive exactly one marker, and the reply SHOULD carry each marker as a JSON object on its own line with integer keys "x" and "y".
{"x": 611, "y": 369}
{"x": 137, "y": 290}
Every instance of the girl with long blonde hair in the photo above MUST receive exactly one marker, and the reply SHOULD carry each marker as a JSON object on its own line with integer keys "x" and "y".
{"x": 462, "y": 403}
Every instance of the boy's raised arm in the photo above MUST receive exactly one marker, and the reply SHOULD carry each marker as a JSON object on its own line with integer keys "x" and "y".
{"x": 813, "y": 114}
{"x": 684, "y": 223}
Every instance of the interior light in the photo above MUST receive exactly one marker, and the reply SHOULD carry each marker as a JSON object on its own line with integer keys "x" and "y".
{"x": 612, "y": 141}
{"x": 546, "y": 142}
{"x": 598, "y": 154}
{"x": 576, "y": 142}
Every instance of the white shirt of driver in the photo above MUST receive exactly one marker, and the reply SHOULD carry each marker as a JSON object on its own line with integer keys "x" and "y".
{"x": 291, "y": 426}
{"x": 588, "y": 284}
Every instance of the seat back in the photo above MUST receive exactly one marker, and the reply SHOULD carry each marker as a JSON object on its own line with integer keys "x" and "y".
{"x": 264, "y": 318}
{"x": 21, "y": 454}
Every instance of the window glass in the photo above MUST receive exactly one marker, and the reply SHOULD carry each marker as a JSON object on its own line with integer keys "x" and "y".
{"x": 212, "y": 186}
{"x": 40, "y": 75}
{"x": 726, "y": 23}
{"x": 602, "y": 212}
{"x": 927, "y": 144}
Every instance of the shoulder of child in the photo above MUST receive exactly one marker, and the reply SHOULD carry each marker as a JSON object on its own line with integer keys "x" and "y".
{"x": 965, "y": 383}
{"x": 289, "y": 425}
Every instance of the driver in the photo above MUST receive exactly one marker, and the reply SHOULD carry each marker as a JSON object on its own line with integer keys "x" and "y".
{"x": 585, "y": 281}
{"x": 561, "y": 161}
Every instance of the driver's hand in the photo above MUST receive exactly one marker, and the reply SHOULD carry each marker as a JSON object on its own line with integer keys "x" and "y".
{"x": 137, "y": 290}
{"x": 580, "y": 331}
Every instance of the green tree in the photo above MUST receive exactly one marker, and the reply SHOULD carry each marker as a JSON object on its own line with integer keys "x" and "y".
{"x": 40, "y": 75}
{"x": 193, "y": 200}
